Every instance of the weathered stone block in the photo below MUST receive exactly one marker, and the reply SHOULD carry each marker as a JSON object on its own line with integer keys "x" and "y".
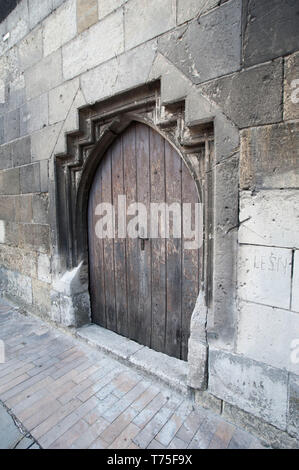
{"x": 43, "y": 142}
{"x": 143, "y": 23}
{"x": 16, "y": 285}
{"x": 130, "y": 70}
{"x": 17, "y": 259}
{"x": 250, "y": 385}
{"x": 291, "y": 87}
{"x": 44, "y": 176}
{"x": 17, "y": 24}
{"x": 21, "y": 151}
{"x": 279, "y": 19}
{"x": 38, "y": 11}
{"x": 10, "y": 181}
{"x": 293, "y": 411}
{"x": 40, "y": 205}
{"x": 295, "y": 289}
{"x": 269, "y": 157}
{"x": 70, "y": 311}
{"x": 276, "y": 438}
{"x": 264, "y": 275}
{"x": 41, "y": 238}
{"x": 272, "y": 218}
{"x": 61, "y": 99}
{"x": 34, "y": 114}
{"x": 41, "y": 297}
{"x": 9, "y": 233}
{"x": 188, "y": 9}
{"x": 5, "y": 157}
{"x": 60, "y": 27}
{"x": 266, "y": 334}
{"x": 31, "y": 49}
{"x": 12, "y": 125}
{"x": 7, "y": 207}
{"x": 84, "y": 51}
{"x": 23, "y": 207}
{"x": 206, "y": 400}
{"x": 108, "y": 6}
{"x": 87, "y": 14}
{"x": 44, "y": 268}
{"x": 44, "y": 76}
{"x": 207, "y": 49}
{"x": 251, "y": 97}
{"x": 30, "y": 178}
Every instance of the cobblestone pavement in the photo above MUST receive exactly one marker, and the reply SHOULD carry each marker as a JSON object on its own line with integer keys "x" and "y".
{"x": 68, "y": 395}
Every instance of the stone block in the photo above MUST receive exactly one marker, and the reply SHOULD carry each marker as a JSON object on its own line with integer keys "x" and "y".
{"x": 252, "y": 386}
{"x": 293, "y": 410}
{"x": 251, "y": 97}
{"x": 84, "y": 52}
{"x": 17, "y": 24}
{"x": 280, "y": 21}
{"x": 44, "y": 176}
{"x": 10, "y": 181}
{"x": 44, "y": 76}
{"x": 7, "y": 208}
{"x": 1, "y": 130}
{"x": 272, "y": 218}
{"x": 61, "y": 99}
{"x": 5, "y": 157}
{"x": 43, "y": 142}
{"x": 38, "y": 10}
{"x": 70, "y": 311}
{"x": 16, "y": 259}
{"x": 40, "y": 205}
{"x": 264, "y": 275}
{"x": 208, "y": 401}
{"x": 23, "y": 208}
{"x": 188, "y": 9}
{"x": 41, "y": 238}
{"x": 31, "y": 49}
{"x": 60, "y": 27}
{"x": 30, "y": 178}
{"x": 12, "y": 125}
{"x": 41, "y": 298}
{"x": 128, "y": 71}
{"x": 274, "y": 437}
{"x": 269, "y": 157}
{"x": 143, "y": 23}
{"x": 17, "y": 285}
{"x": 266, "y": 334}
{"x": 87, "y": 14}
{"x": 106, "y": 7}
{"x": 291, "y": 87}
{"x": 34, "y": 114}
{"x": 21, "y": 151}
{"x": 295, "y": 289}
{"x": 44, "y": 268}
{"x": 207, "y": 49}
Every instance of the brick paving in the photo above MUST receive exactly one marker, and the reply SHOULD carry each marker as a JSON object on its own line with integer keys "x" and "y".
{"x": 70, "y": 396}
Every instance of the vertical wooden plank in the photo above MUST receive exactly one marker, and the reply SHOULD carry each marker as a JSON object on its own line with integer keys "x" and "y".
{"x": 96, "y": 265}
{"x": 157, "y": 168}
{"x": 109, "y": 247}
{"x": 119, "y": 243}
{"x": 173, "y": 166}
{"x": 143, "y": 318}
{"x": 130, "y": 180}
{"x": 190, "y": 277}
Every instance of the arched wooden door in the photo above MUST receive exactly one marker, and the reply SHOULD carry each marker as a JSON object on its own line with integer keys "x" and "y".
{"x": 143, "y": 289}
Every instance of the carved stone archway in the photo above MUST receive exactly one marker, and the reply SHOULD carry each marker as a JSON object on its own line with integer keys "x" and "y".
{"x": 99, "y": 125}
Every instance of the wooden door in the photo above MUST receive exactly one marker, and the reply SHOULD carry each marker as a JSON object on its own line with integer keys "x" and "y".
{"x": 143, "y": 289}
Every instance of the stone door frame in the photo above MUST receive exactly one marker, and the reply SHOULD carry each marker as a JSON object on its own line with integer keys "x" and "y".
{"x": 99, "y": 125}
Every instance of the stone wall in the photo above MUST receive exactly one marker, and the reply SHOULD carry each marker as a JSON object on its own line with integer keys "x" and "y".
{"x": 234, "y": 62}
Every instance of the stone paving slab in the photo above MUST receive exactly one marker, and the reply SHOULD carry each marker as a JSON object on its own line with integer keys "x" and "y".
{"x": 68, "y": 395}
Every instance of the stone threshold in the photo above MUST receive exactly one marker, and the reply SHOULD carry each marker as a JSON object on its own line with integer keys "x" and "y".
{"x": 169, "y": 370}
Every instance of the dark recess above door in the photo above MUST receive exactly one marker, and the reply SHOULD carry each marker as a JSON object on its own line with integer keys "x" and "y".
{"x": 6, "y": 6}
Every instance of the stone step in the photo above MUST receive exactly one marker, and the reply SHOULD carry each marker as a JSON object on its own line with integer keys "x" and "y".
{"x": 169, "y": 370}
